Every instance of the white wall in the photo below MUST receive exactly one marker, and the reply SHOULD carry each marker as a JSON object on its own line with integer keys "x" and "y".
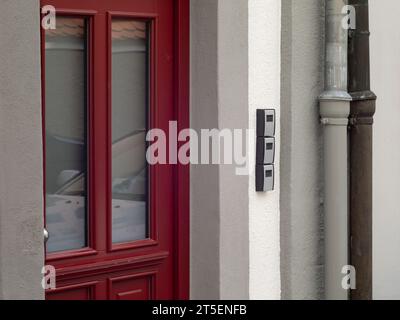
{"x": 264, "y": 92}
{"x": 385, "y": 82}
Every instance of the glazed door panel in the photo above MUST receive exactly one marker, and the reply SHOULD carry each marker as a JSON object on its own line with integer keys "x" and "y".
{"x": 112, "y": 71}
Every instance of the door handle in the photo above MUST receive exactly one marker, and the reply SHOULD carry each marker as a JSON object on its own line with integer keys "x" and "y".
{"x": 46, "y": 235}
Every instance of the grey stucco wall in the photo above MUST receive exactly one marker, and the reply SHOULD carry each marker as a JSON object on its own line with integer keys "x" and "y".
{"x": 219, "y": 198}
{"x": 301, "y": 149}
{"x": 21, "y": 191}
{"x": 205, "y": 219}
{"x": 233, "y": 114}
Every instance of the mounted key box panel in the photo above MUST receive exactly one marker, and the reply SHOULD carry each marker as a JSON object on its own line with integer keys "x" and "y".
{"x": 266, "y": 122}
{"x": 265, "y": 150}
{"x": 265, "y": 178}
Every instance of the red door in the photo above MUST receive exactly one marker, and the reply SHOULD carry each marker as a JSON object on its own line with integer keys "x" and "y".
{"x": 113, "y": 70}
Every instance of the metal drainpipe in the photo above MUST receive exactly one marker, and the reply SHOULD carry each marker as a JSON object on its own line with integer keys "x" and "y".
{"x": 362, "y": 109}
{"x": 334, "y": 112}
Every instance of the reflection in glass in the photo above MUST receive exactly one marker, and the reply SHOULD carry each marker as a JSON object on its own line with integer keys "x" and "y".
{"x": 66, "y": 142}
{"x": 129, "y": 124}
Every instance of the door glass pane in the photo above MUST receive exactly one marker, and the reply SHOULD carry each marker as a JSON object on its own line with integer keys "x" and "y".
{"x": 66, "y": 136}
{"x": 129, "y": 125}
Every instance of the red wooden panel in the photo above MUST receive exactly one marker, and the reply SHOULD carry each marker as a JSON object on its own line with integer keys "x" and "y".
{"x": 133, "y": 287}
{"x": 182, "y": 94}
{"x": 83, "y": 291}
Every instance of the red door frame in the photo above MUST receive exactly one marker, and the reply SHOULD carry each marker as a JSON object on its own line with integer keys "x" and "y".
{"x": 181, "y": 180}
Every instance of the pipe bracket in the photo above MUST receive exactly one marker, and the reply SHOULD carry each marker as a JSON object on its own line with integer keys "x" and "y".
{"x": 361, "y": 121}
{"x": 334, "y": 121}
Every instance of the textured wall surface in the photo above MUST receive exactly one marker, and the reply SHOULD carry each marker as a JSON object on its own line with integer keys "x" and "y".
{"x": 21, "y": 191}
{"x": 204, "y": 187}
{"x": 264, "y": 92}
{"x": 235, "y": 70}
{"x": 219, "y": 198}
{"x": 385, "y": 82}
{"x": 301, "y": 165}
